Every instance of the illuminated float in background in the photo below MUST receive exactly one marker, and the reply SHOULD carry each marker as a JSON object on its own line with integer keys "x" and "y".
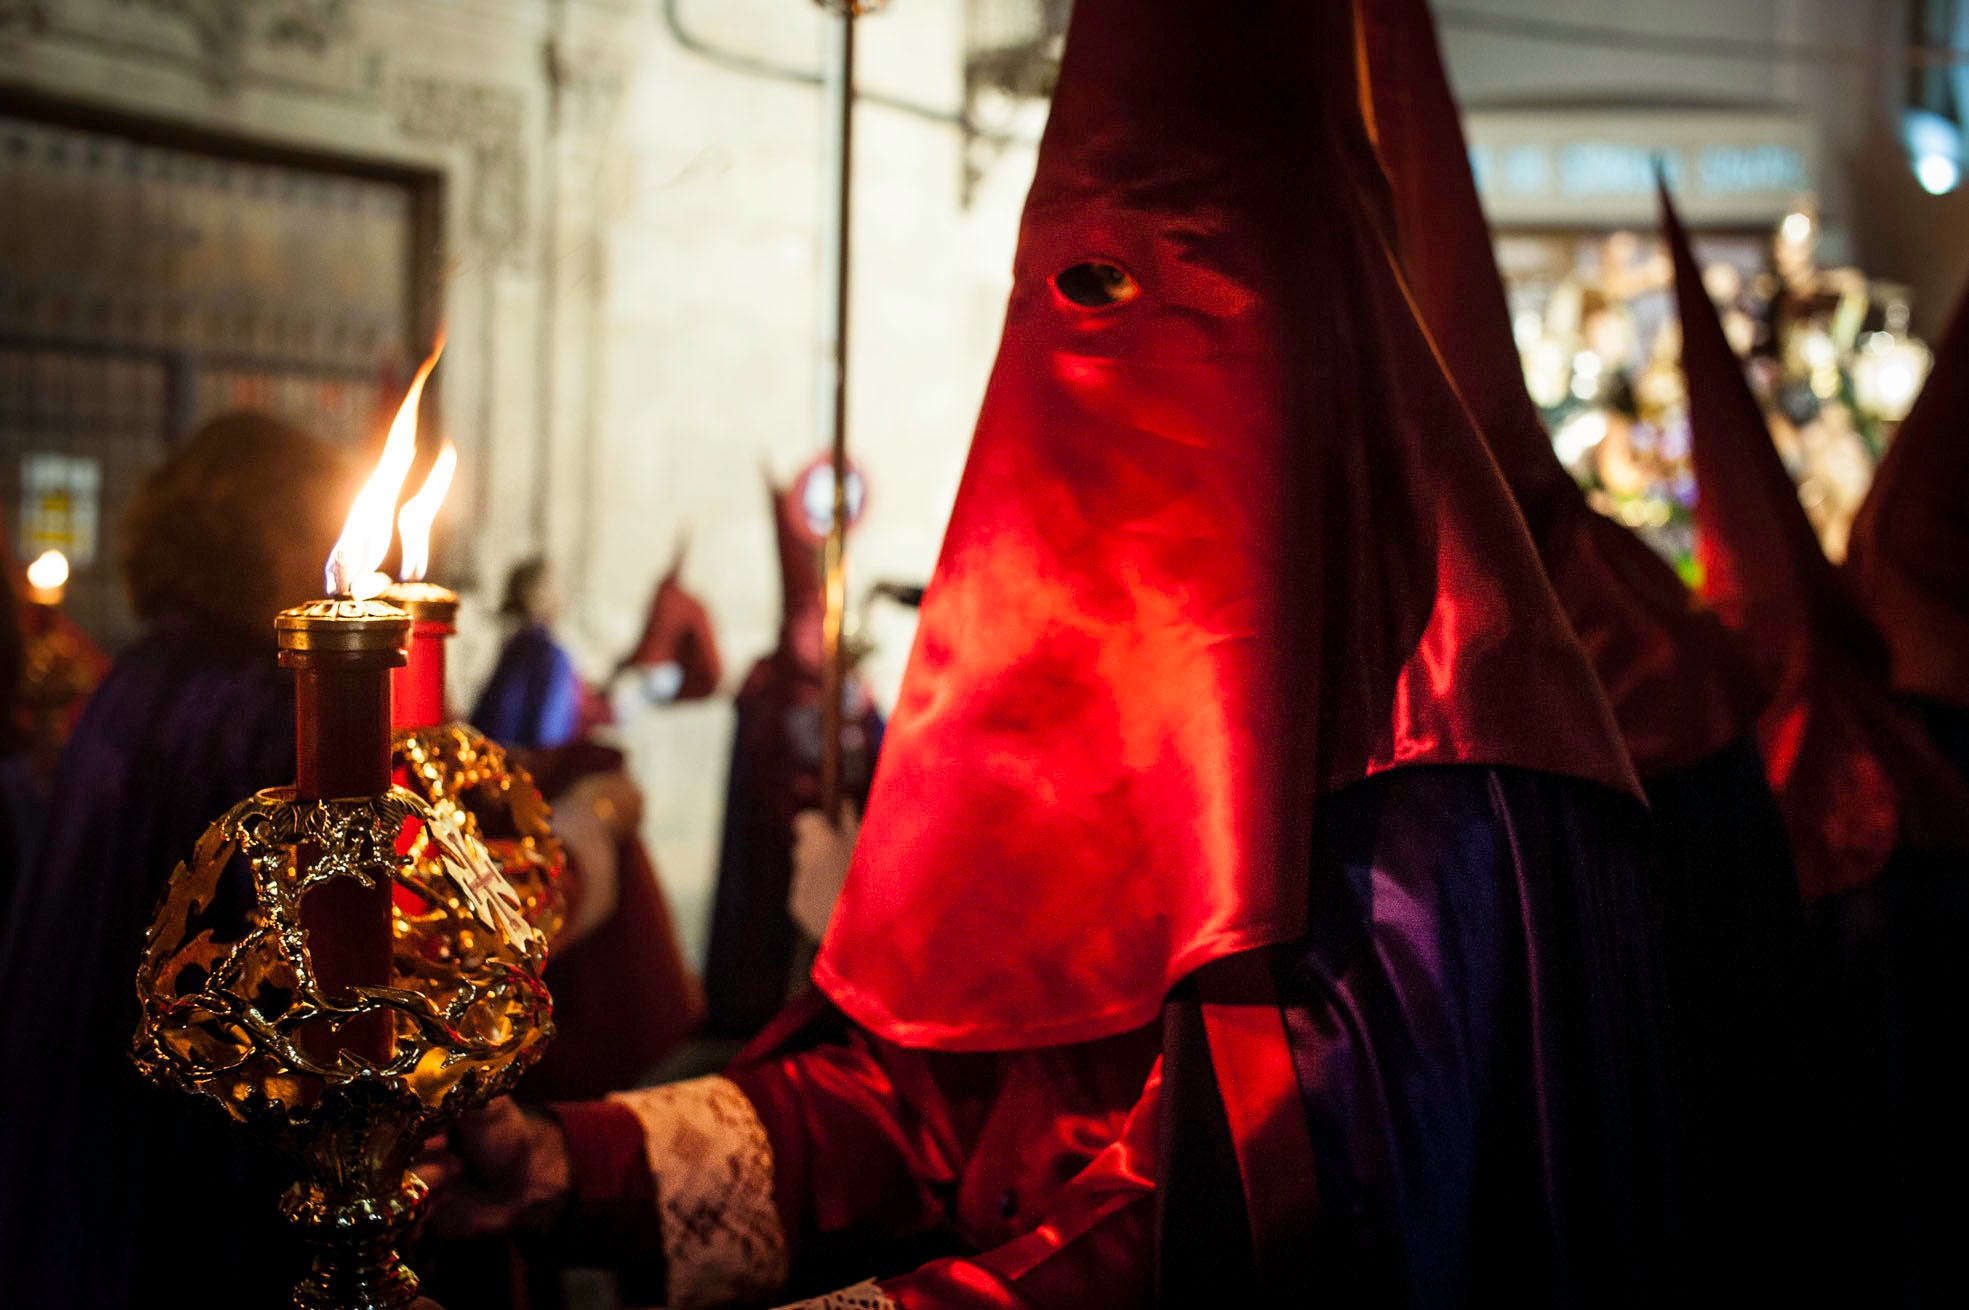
{"x": 1828, "y": 352}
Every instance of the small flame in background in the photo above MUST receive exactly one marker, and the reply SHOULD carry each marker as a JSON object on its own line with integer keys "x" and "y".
{"x": 353, "y": 564}
{"x": 49, "y": 571}
{"x": 420, "y": 511}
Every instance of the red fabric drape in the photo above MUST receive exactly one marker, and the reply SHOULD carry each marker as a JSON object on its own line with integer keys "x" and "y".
{"x": 1041, "y": 1161}
{"x": 1220, "y": 545}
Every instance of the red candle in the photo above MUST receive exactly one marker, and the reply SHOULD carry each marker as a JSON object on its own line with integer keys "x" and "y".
{"x": 343, "y": 653}
{"x": 418, "y": 693}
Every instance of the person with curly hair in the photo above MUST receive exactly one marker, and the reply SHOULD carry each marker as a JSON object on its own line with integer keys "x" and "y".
{"x": 231, "y": 527}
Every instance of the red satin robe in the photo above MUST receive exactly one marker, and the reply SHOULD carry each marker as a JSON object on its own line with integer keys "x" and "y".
{"x": 1038, "y": 1160}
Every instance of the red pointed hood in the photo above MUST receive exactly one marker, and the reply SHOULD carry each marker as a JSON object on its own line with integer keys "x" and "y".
{"x": 1678, "y": 689}
{"x": 1227, "y": 540}
{"x": 802, "y": 513}
{"x": 1909, "y": 553}
{"x": 678, "y": 631}
{"x": 801, "y": 597}
{"x": 1853, "y": 773}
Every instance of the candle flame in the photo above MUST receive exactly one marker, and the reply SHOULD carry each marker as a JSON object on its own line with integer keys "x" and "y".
{"x": 353, "y": 564}
{"x": 420, "y": 511}
{"x": 49, "y": 571}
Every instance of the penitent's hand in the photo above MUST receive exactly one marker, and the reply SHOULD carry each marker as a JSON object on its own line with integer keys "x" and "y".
{"x": 821, "y": 854}
{"x": 591, "y": 819}
{"x": 613, "y": 798}
{"x": 502, "y": 1170}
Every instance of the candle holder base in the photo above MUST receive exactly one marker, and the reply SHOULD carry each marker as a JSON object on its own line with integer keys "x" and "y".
{"x": 230, "y": 1007}
{"x": 356, "y": 1199}
{"x": 354, "y": 1239}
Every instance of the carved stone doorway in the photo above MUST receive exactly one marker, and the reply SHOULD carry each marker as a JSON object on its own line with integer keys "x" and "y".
{"x": 150, "y": 280}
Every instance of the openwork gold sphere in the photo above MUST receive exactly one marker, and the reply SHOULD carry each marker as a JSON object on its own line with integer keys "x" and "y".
{"x": 227, "y": 989}
{"x": 454, "y": 764}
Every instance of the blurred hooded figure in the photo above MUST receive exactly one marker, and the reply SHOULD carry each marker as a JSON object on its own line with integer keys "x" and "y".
{"x": 232, "y": 527}
{"x": 775, "y": 775}
{"x": 1879, "y": 828}
{"x": 624, "y": 996}
{"x": 1681, "y": 692}
{"x": 1908, "y": 555}
{"x": 534, "y": 697}
{"x": 676, "y": 658}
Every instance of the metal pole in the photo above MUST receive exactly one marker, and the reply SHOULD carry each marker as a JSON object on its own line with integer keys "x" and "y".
{"x": 835, "y": 559}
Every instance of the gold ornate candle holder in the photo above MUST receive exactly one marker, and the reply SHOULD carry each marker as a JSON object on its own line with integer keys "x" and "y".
{"x": 234, "y": 1012}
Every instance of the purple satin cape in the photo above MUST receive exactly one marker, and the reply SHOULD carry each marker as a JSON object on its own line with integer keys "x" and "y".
{"x": 109, "y": 1182}
{"x": 1472, "y": 1016}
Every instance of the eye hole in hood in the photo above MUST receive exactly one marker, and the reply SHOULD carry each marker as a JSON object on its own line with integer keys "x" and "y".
{"x": 1096, "y": 284}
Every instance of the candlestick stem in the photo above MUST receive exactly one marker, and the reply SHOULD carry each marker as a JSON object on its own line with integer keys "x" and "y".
{"x": 417, "y": 688}
{"x": 342, "y": 653}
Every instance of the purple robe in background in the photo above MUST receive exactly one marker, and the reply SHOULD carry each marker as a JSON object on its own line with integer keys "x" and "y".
{"x": 775, "y": 774}
{"x": 533, "y": 698}
{"x": 114, "y": 1187}
{"x": 1472, "y": 1017}
{"x": 1680, "y": 691}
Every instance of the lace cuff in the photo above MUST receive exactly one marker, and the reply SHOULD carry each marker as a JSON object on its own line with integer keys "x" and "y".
{"x": 862, "y": 1296}
{"x": 713, "y": 1170}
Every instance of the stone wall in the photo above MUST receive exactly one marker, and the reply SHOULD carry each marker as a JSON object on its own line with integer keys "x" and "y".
{"x": 710, "y": 324}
